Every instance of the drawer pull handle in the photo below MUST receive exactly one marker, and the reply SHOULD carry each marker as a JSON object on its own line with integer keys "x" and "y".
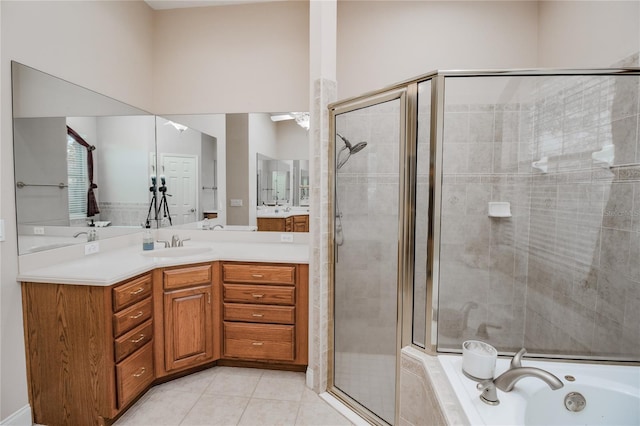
{"x": 257, "y": 275}
{"x": 139, "y": 339}
{"x": 136, "y": 316}
{"x": 257, "y": 343}
{"x": 257, "y": 315}
{"x": 258, "y": 296}
{"x": 138, "y": 291}
{"x": 140, "y": 373}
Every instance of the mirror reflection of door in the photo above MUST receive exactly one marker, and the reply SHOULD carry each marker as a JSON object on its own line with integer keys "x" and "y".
{"x": 181, "y": 176}
{"x": 279, "y": 185}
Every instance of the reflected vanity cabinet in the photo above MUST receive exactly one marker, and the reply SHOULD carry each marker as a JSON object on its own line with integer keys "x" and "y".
{"x": 296, "y": 223}
{"x": 89, "y": 349}
{"x": 265, "y": 312}
{"x": 188, "y": 335}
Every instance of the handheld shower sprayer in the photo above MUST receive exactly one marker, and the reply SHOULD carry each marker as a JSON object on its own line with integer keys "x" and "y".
{"x": 348, "y": 149}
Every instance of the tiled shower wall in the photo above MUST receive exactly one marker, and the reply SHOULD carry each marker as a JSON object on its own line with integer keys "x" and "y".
{"x": 562, "y": 274}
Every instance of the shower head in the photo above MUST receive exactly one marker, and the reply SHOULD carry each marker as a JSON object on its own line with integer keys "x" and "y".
{"x": 358, "y": 147}
{"x": 352, "y": 149}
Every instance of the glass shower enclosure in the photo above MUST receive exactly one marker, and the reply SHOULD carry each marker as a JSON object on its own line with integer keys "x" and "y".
{"x": 502, "y": 206}
{"x": 367, "y": 182}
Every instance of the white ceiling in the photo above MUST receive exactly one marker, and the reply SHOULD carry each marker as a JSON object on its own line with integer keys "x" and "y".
{"x": 177, "y": 4}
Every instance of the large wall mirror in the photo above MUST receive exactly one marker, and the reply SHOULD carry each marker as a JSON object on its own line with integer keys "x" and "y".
{"x": 227, "y": 189}
{"x": 73, "y": 146}
{"x": 282, "y": 182}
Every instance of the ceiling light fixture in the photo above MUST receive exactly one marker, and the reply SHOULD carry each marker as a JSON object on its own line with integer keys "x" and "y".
{"x": 179, "y": 127}
{"x": 302, "y": 119}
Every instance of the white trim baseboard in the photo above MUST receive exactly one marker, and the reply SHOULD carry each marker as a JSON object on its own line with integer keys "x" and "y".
{"x": 22, "y": 417}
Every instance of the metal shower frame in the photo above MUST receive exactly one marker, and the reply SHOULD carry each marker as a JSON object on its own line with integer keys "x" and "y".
{"x": 407, "y": 91}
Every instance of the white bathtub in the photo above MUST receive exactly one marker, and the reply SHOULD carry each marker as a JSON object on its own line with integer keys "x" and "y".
{"x": 612, "y": 395}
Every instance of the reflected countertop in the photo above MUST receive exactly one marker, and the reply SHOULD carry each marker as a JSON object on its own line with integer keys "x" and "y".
{"x": 112, "y": 266}
{"x": 271, "y": 212}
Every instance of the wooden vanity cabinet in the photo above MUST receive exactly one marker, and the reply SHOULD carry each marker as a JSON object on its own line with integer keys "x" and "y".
{"x": 265, "y": 312}
{"x": 190, "y": 328}
{"x": 273, "y": 224}
{"x": 93, "y": 350}
{"x": 301, "y": 223}
{"x": 89, "y": 349}
{"x": 297, "y": 223}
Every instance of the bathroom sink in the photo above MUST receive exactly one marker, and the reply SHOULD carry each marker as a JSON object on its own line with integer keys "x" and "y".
{"x": 176, "y": 251}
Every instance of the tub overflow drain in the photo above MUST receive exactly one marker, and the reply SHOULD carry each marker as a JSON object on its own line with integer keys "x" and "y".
{"x": 574, "y": 401}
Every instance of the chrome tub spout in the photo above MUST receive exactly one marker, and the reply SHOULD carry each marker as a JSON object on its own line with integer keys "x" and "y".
{"x": 507, "y": 380}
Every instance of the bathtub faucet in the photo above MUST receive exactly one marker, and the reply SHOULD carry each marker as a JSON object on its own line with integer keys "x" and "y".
{"x": 507, "y": 380}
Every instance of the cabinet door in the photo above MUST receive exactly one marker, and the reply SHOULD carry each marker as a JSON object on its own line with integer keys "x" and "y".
{"x": 188, "y": 327}
{"x": 271, "y": 224}
{"x": 301, "y": 223}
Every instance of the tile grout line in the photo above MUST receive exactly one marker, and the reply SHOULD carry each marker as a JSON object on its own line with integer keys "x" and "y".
{"x": 202, "y": 392}
{"x": 250, "y": 398}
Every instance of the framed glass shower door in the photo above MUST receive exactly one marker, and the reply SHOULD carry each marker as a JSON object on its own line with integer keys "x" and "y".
{"x": 368, "y": 144}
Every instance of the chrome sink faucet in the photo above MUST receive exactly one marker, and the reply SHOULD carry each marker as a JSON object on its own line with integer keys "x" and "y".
{"x": 177, "y": 242}
{"x": 507, "y": 380}
{"x": 92, "y": 235}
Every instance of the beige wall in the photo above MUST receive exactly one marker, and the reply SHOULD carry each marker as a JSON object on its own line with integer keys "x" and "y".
{"x": 237, "y": 168}
{"x": 240, "y": 58}
{"x": 384, "y": 42}
{"x": 105, "y": 46}
{"x": 587, "y": 34}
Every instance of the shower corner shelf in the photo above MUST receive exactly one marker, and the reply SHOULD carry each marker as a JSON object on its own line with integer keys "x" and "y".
{"x": 499, "y": 209}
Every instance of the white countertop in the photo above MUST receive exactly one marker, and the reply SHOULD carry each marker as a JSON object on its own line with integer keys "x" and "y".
{"x": 280, "y": 214}
{"x": 110, "y": 267}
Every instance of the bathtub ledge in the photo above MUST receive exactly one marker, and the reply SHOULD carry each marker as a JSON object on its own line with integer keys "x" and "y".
{"x": 428, "y": 368}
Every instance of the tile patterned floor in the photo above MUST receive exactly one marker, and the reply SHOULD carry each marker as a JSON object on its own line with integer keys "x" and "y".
{"x": 233, "y": 396}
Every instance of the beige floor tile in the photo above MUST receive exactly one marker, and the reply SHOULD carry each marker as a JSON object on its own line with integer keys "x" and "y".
{"x": 279, "y": 374}
{"x": 265, "y": 412}
{"x": 230, "y": 396}
{"x": 216, "y": 410}
{"x": 310, "y": 396}
{"x": 162, "y": 408}
{"x": 319, "y": 414}
{"x": 281, "y": 389}
{"x": 233, "y": 383}
{"x": 196, "y": 382}
{"x": 239, "y": 371}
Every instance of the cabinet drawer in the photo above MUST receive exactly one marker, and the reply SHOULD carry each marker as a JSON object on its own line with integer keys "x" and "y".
{"x": 128, "y": 318}
{"x": 270, "y": 295}
{"x": 185, "y": 277}
{"x": 134, "y": 374}
{"x": 259, "y": 341}
{"x": 131, "y": 292}
{"x": 259, "y": 313}
{"x": 259, "y": 274}
{"x": 134, "y": 339}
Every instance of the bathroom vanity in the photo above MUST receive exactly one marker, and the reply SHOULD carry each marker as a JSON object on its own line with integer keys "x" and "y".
{"x": 294, "y": 223}
{"x": 94, "y": 347}
{"x": 294, "y": 219}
